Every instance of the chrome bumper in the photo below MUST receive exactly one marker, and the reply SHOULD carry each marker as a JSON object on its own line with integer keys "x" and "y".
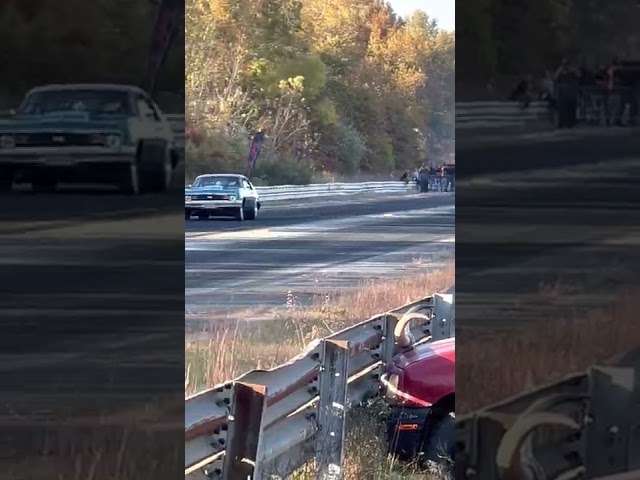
{"x": 212, "y": 204}
{"x": 64, "y": 157}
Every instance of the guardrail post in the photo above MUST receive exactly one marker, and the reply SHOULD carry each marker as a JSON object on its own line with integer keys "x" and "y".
{"x": 245, "y": 431}
{"x": 332, "y": 409}
{"x": 387, "y": 349}
{"x": 443, "y": 324}
{"x": 609, "y": 432}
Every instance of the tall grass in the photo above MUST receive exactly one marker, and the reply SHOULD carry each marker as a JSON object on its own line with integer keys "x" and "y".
{"x": 494, "y": 366}
{"x": 226, "y": 351}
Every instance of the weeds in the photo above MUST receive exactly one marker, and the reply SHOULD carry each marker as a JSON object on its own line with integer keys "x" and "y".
{"x": 231, "y": 350}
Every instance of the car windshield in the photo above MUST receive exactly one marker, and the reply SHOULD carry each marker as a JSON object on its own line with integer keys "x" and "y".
{"x": 217, "y": 181}
{"x": 97, "y": 102}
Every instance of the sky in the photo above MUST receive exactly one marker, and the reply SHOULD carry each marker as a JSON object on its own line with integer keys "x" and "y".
{"x": 442, "y": 10}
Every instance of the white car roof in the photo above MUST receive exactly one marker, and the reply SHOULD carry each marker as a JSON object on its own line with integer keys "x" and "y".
{"x": 221, "y": 175}
{"x": 88, "y": 86}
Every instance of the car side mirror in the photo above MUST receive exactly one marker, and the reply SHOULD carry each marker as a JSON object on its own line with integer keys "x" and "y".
{"x": 189, "y": 186}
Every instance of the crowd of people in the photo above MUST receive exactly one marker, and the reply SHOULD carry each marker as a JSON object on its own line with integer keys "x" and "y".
{"x": 432, "y": 178}
{"x": 578, "y": 91}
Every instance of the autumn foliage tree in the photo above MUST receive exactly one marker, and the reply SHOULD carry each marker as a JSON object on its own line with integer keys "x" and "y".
{"x": 338, "y": 86}
{"x": 76, "y": 41}
{"x": 507, "y": 39}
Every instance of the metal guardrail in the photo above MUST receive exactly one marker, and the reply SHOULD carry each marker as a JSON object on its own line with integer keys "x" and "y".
{"x": 478, "y": 115}
{"x": 586, "y": 425}
{"x": 272, "y": 422}
{"x": 292, "y": 192}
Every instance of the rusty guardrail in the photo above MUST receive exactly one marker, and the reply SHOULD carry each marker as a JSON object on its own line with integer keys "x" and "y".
{"x": 586, "y": 425}
{"x": 271, "y": 422}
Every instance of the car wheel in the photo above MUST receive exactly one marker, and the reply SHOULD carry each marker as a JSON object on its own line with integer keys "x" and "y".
{"x": 155, "y": 166}
{"x": 250, "y": 208}
{"x": 187, "y": 214}
{"x": 440, "y": 446}
{"x": 130, "y": 180}
{"x": 240, "y": 213}
{"x": 203, "y": 215}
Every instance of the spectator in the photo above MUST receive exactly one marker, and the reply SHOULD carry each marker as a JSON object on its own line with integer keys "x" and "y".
{"x": 586, "y": 84}
{"x": 548, "y": 94}
{"x": 566, "y": 80}
{"x": 616, "y": 87}
{"x": 522, "y": 92}
{"x": 601, "y": 97}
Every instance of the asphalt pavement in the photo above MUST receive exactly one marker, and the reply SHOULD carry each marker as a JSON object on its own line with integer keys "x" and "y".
{"x": 546, "y": 228}
{"x": 91, "y": 328}
{"x": 302, "y": 251}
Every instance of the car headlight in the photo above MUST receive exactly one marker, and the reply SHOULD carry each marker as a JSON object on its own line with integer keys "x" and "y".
{"x": 113, "y": 141}
{"x": 389, "y": 384}
{"x": 187, "y": 198}
{"x": 7, "y": 141}
{"x": 232, "y": 197}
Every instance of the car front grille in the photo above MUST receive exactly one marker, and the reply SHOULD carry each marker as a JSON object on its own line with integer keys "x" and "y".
{"x": 48, "y": 139}
{"x": 215, "y": 196}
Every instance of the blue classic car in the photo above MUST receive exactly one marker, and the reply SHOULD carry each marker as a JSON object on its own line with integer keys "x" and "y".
{"x": 89, "y": 133}
{"x": 221, "y": 195}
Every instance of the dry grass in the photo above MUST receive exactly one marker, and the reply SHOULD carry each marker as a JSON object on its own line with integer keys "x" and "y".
{"x": 492, "y": 367}
{"x": 366, "y": 452}
{"x": 232, "y": 350}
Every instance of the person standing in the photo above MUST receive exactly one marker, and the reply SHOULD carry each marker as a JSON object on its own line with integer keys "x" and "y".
{"x": 566, "y": 80}
{"x": 616, "y": 91}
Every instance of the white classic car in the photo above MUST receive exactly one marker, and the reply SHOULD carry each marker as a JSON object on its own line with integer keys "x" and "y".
{"x": 228, "y": 195}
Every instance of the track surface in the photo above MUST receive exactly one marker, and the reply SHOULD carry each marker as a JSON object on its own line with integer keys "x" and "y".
{"x": 546, "y": 229}
{"x": 91, "y": 302}
{"x": 243, "y": 270}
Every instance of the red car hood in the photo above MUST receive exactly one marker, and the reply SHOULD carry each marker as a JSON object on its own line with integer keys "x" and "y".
{"x": 428, "y": 372}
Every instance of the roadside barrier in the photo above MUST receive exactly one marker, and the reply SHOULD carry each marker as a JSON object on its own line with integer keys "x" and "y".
{"x": 481, "y": 115}
{"x": 583, "y": 426}
{"x": 292, "y": 192}
{"x": 273, "y": 422}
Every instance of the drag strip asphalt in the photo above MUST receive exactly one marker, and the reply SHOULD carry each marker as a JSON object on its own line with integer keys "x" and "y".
{"x": 91, "y": 325}
{"x": 546, "y": 230}
{"x": 242, "y": 270}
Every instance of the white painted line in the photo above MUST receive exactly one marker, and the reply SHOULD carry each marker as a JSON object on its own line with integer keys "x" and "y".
{"x": 313, "y": 228}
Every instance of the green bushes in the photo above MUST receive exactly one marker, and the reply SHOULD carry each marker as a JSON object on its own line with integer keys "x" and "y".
{"x": 218, "y": 153}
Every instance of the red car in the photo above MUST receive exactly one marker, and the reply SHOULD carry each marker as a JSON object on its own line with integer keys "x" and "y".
{"x": 420, "y": 387}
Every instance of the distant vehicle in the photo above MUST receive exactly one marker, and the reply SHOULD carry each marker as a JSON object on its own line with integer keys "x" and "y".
{"x": 419, "y": 386}
{"x": 226, "y": 195}
{"x": 89, "y": 133}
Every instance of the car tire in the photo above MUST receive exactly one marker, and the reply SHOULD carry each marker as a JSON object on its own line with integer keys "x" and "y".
{"x": 440, "y": 446}
{"x": 240, "y": 214}
{"x": 203, "y": 215}
{"x": 155, "y": 167}
{"x": 250, "y": 208}
{"x": 131, "y": 180}
{"x": 187, "y": 214}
